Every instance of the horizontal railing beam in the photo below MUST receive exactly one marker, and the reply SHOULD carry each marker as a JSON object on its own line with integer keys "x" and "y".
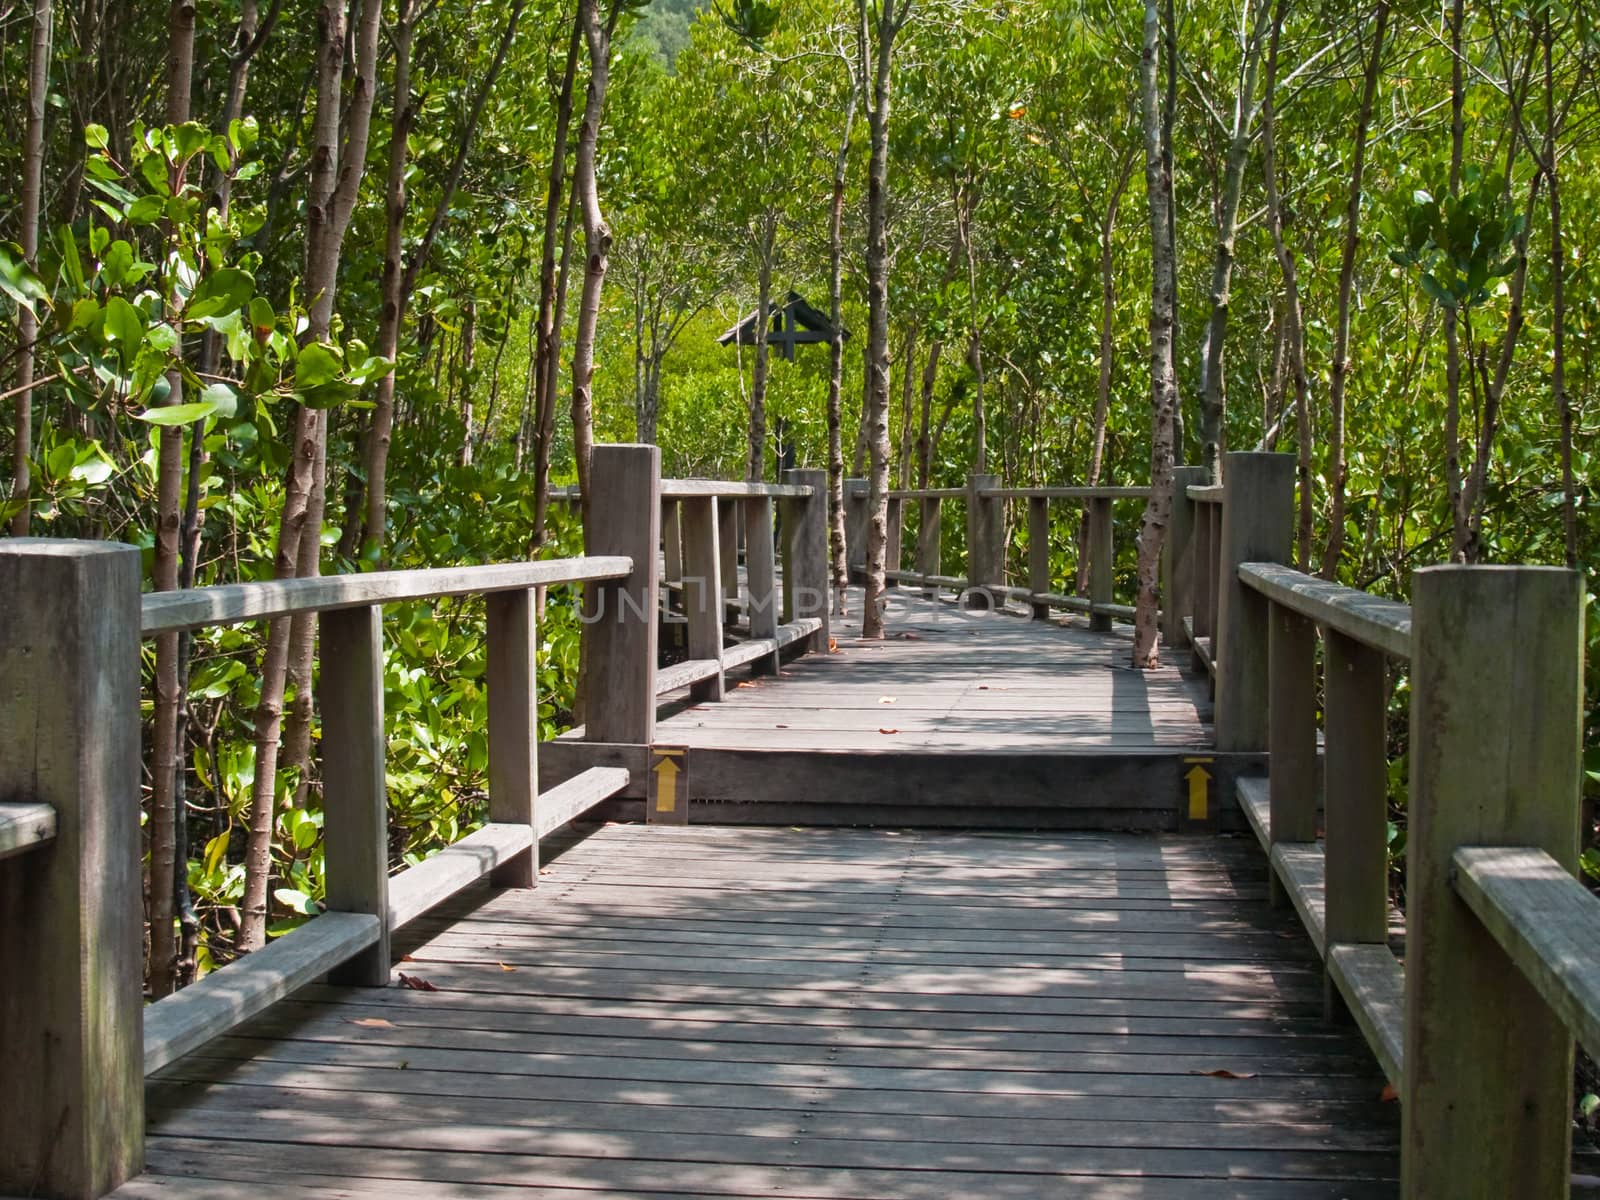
{"x": 229, "y": 604}
{"x": 1371, "y": 620}
{"x": 24, "y": 825}
{"x": 1066, "y": 493}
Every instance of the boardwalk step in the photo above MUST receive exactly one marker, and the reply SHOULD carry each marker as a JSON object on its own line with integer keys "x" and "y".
{"x": 24, "y": 825}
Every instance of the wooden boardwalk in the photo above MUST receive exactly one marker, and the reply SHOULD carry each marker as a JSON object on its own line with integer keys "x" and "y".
{"x": 834, "y": 1014}
{"x": 948, "y": 680}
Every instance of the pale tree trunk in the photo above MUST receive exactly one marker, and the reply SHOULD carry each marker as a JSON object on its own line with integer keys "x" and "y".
{"x": 838, "y": 552}
{"x": 755, "y": 459}
{"x": 966, "y": 204}
{"x": 1163, "y": 385}
{"x": 1294, "y": 319}
{"x": 596, "y": 238}
{"x": 930, "y": 376}
{"x": 1169, "y": 116}
{"x": 32, "y": 201}
{"x": 1452, "y": 334}
{"x": 880, "y": 36}
{"x": 336, "y": 173}
{"x": 908, "y": 379}
{"x": 1108, "y": 330}
{"x": 165, "y": 759}
{"x": 1339, "y": 376}
{"x": 1213, "y": 390}
{"x": 546, "y": 368}
{"x": 1558, "y": 306}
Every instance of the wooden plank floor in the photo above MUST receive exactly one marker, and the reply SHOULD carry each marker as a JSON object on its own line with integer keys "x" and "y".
{"x": 826, "y": 1014}
{"x": 952, "y": 680}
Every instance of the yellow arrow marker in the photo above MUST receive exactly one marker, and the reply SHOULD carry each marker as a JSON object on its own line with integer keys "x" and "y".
{"x": 1199, "y": 790}
{"x": 666, "y": 785}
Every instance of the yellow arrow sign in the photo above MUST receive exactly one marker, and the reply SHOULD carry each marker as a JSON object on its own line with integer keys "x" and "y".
{"x": 666, "y": 785}
{"x": 1199, "y": 792}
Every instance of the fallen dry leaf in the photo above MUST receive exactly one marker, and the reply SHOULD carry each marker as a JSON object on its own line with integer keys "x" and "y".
{"x": 416, "y": 983}
{"x": 503, "y": 967}
{"x": 780, "y": 727}
{"x": 1224, "y": 1073}
{"x": 1388, "y": 1095}
{"x": 833, "y": 644}
{"x": 373, "y": 1023}
{"x": 888, "y": 731}
{"x": 886, "y": 699}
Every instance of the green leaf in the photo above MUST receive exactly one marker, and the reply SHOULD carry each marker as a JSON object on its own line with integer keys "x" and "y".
{"x": 124, "y": 325}
{"x": 96, "y": 137}
{"x": 296, "y": 901}
{"x": 223, "y": 399}
{"x": 177, "y": 414}
{"x": 17, "y": 278}
{"x": 317, "y": 366}
{"x": 1437, "y": 290}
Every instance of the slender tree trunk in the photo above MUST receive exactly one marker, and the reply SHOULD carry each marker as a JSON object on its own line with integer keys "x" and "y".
{"x": 596, "y": 238}
{"x": 1163, "y": 385}
{"x": 1452, "y": 335}
{"x": 930, "y": 376}
{"x": 1340, "y": 374}
{"x": 548, "y": 328}
{"x": 1108, "y": 330}
{"x": 881, "y": 38}
{"x": 838, "y": 551}
{"x": 1558, "y": 303}
{"x": 1168, "y": 117}
{"x": 755, "y": 459}
{"x": 32, "y": 201}
{"x": 336, "y": 173}
{"x": 1294, "y": 321}
{"x": 907, "y": 392}
{"x": 544, "y": 443}
{"x": 1213, "y": 392}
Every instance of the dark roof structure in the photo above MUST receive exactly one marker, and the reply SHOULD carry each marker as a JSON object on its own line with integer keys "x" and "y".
{"x": 790, "y": 324}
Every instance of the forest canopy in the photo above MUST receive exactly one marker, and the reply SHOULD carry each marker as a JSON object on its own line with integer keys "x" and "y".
{"x": 301, "y": 286}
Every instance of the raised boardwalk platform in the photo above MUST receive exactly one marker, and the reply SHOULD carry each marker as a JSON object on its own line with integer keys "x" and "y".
{"x": 820, "y": 1013}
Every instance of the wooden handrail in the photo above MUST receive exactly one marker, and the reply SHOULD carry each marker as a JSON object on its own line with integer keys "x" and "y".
{"x": 1371, "y": 620}
{"x": 1208, "y": 493}
{"x": 720, "y": 489}
{"x": 229, "y": 604}
{"x": 1065, "y": 493}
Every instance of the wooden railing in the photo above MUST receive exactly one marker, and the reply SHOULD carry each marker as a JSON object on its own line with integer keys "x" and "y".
{"x": 1501, "y": 941}
{"x": 983, "y": 582}
{"x": 75, "y": 1037}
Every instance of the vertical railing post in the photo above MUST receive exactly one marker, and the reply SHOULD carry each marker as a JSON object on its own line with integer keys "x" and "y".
{"x": 514, "y": 726}
{"x": 1177, "y": 557}
{"x": 1355, "y": 787}
{"x": 806, "y": 524}
{"x": 702, "y": 589}
{"x": 1291, "y": 730}
{"x": 1496, "y": 753}
{"x": 928, "y": 548}
{"x": 1213, "y": 591}
{"x": 672, "y": 572}
{"x": 71, "y": 942}
{"x": 1102, "y": 561}
{"x": 895, "y": 529}
{"x": 761, "y": 574}
{"x": 985, "y": 542}
{"x": 355, "y": 831}
{"x": 1257, "y": 524}
{"x": 728, "y": 554}
{"x": 620, "y": 614}
{"x": 856, "y": 514}
{"x": 1203, "y": 576}
{"x": 1039, "y": 554}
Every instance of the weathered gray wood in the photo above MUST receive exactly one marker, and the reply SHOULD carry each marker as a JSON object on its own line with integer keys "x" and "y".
{"x": 1102, "y": 563}
{"x": 224, "y": 999}
{"x": 1214, "y": 493}
{"x": 671, "y": 542}
{"x": 761, "y": 575}
{"x": 896, "y": 528}
{"x": 1368, "y": 619}
{"x": 1178, "y": 552}
{"x": 986, "y": 551}
{"x": 688, "y": 489}
{"x": 1039, "y": 554}
{"x": 24, "y": 825}
{"x": 1545, "y": 921}
{"x": 728, "y": 558}
{"x": 1255, "y": 798}
{"x": 489, "y": 849}
{"x": 1292, "y": 726}
{"x": 1355, "y": 787}
{"x": 621, "y": 636}
{"x": 356, "y": 798}
{"x": 572, "y": 798}
{"x": 228, "y": 604}
{"x": 806, "y": 594}
{"x": 930, "y": 493}
{"x": 681, "y": 674}
{"x": 1067, "y": 493}
{"x": 856, "y": 496}
{"x": 1372, "y": 982}
{"x": 513, "y": 683}
{"x": 1257, "y": 526}
{"x": 929, "y": 533}
{"x": 1212, "y": 515}
{"x": 1204, "y": 574}
{"x": 702, "y": 592}
{"x": 1302, "y": 871}
{"x": 71, "y": 942}
{"x": 1496, "y": 747}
